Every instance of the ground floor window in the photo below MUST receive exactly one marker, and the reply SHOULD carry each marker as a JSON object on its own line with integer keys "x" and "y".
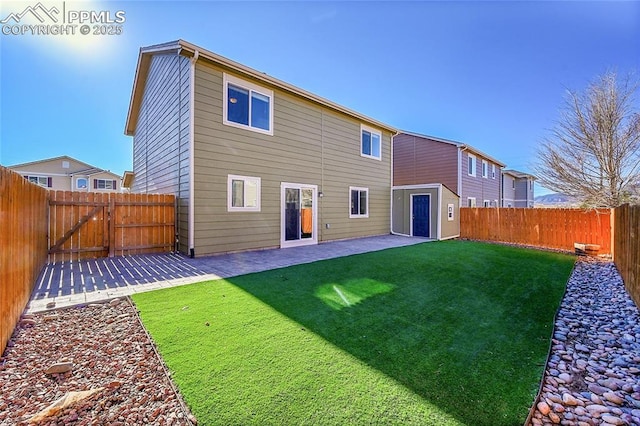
{"x": 104, "y": 184}
{"x": 243, "y": 193}
{"x": 44, "y": 181}
{"x": 359, "y": 202}
{"x": 471, "y": 201}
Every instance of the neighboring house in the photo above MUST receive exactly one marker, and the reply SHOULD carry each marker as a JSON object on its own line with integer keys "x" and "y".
{"x": 68, "y": 174}
{"x": 468, "y": 172}
{"x": 517, "y": 189}
{"x": 253, "y": 161}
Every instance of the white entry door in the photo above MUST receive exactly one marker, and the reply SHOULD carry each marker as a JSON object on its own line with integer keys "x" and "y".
{"x": 299, "y": 214}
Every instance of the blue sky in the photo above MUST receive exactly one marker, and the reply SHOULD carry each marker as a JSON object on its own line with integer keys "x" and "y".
{"x": 490, "y": 74}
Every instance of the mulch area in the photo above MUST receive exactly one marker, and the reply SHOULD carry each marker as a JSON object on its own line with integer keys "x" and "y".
{"x": 114, "y": 372}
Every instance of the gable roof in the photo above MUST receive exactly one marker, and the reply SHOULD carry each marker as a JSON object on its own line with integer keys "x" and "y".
{"x": 189, "y": 50}
{"x": 461, "y": 145}
{"x": 88, "y": 169}
{"x": 47, "y": 160}
{"x": 517, "y": 174}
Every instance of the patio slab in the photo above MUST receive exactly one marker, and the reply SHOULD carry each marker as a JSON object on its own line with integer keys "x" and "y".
{"x": 72, "y": 283}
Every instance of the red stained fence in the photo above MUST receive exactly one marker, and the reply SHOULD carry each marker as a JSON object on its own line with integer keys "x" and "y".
{"x": 23, "y": 246}
{"x": 627, "y": 248}
{"x": 37, "y": 225}
{"x": 548, "y": 228}
{"x": 88, "y": 224}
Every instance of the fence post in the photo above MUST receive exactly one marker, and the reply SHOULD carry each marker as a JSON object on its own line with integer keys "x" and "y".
{"x": 112, "y": 225}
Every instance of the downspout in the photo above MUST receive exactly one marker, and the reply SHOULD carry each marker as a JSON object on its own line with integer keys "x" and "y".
{"x": 192, "y": 143}
{"x": 460, "y": 149}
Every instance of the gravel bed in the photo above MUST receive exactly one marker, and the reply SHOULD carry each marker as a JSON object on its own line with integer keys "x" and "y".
{"x": 593, "y": 372}
{"x": 108, "y": 356}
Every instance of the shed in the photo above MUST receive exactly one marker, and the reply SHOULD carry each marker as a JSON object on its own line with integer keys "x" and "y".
{"x": 428, "y": 210}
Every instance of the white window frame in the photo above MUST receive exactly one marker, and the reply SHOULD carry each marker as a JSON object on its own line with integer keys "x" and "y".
{"x": 97, "y": 185}
{"x": 251, "y": 87}
{"x": 513, "y": 183}
{"x": 450, "y": 212}
{"x": 245, "y": 179}
{"x": 471, "y": 161}
{"x": 486, "y": 203}
{"x": 493, "y": 171}
{"x": 38, "y": 180}
{"x": 485, "y": 169}
{"x": 471, "y": 201}
{"x": 359, "y": 189}
{"x": 86, "y": 183}
{"x": 373, "y": 131}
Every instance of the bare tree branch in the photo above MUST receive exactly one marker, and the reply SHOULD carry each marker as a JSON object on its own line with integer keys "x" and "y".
{"x": 593, "y": 153}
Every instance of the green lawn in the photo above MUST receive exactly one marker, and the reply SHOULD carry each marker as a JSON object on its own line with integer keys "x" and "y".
{"x": 445, "y": 333}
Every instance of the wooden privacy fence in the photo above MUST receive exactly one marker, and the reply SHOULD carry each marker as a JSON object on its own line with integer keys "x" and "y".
{"x": 627, "y": 248}
{"x": 23, "y": 246}
{"x": 549, "y": 228}
{"x": 88, "y": 224}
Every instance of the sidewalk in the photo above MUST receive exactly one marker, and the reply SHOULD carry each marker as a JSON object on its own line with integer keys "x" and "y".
{"x": 72, "y": 283}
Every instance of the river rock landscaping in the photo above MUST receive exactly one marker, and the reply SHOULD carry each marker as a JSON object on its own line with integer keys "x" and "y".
{"x": 593, "y": 372}
{"x": 98, "y": 359}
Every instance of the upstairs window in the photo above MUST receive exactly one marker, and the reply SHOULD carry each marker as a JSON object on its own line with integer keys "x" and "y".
{"x": 493, "y": 171}
{"x": 370, "y": 143}
{"x": 359, "y": 200}
{"x": 471, "y": 169}
{"x": 243, "y": 193}
{"x": 247, "y": 105}
{"x": 471, "y": 201}
{"x": 485, "y": 169}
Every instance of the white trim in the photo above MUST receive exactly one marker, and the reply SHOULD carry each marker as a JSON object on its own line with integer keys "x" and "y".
{"x": 471, "y": 199}
{"x": 493, "y": 171}
{"x": 411, "y": 214}
{"x": 486, "y": 203}
{"x": 192, "y": 151}
{"x": 251, "y": 87}
{"x": 459, "y": 191}
{"x": 474, "y": 164}
{"x": 438, "y": 214}
{"x": 358, "y": 216}
{"x": 365, "y": 128}
{"x": 485, "y": 169}
{"x": 314, "y": 236}
{"x": 245, "y": 179}
{"x": 418, "y": 186}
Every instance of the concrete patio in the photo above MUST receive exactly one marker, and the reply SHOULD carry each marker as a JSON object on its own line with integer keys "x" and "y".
{"x": 72, "y": 283}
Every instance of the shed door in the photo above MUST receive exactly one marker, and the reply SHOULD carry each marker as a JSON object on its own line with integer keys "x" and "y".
{"x": 420, "y": 219}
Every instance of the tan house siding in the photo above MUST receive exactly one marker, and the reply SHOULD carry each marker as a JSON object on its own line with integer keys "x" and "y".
{"x": 63, "y": 174}
{"x": 161, "y": 141}
{"x": 310, "y": 145}
{"x": 419, "y": 160}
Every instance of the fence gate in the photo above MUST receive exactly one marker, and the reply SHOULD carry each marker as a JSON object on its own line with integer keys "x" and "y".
{"x": 88, "y": 224}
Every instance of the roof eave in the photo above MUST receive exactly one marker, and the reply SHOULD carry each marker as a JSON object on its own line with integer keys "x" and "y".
{"x": 189, "y": 50}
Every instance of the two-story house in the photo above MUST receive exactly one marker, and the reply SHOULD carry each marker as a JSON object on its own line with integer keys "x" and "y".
{"x": 517, "y": 189}
{"x": 68, "y": 174}
{"x": 475, "y": 176}
{"x": 254, "y": 162}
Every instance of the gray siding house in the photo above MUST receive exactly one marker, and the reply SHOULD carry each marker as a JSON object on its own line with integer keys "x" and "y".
{"x": 471, "y": 174}
{"x": 253, "y": 161}
{"x": 517, "y": 189}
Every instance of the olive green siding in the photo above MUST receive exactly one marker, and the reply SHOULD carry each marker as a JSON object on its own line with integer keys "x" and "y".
{"x": 440, "y": 197}
{"x": 311, "y": 144}
{"x": 449, "y": 228}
